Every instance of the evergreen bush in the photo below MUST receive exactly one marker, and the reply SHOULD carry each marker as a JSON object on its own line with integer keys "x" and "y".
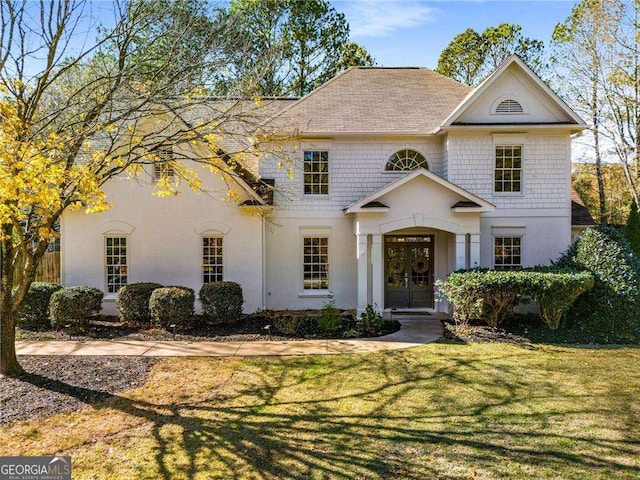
{"x": 72, "y": 306}
{"x": 610, "y": 311}
{"x": 132, "y": 302}
{"x": 491, "y": 295}
{"x": 330, "y": 320}
{"x": 371, "y": 322}
{"x": 632, "y": 229}
{"x": 222, "y": 301}
{"x": 33, "y": 313}
{"x": 172, "y": 306}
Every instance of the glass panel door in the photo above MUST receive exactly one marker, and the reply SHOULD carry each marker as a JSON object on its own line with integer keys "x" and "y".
{"x": 409, "y": 268}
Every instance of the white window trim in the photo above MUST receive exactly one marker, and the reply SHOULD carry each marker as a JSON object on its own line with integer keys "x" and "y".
{"x": 201, "y": 251}
{"x": 317, "y": 148}
{"x": 112, "y": 295}
{"x": 511, "y": 232}
{"x": 315, "y": 232}
{"x": 506, "y": 140}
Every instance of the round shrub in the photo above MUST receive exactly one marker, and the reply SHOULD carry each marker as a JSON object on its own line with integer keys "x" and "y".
{"x": 172, "y": 306}
{"x": 610, "y": 311}
{"x": 133, "y": 302}
{"x": 73, "y": 305}
{"x": 222, "y": 300}
{"x": 33, "y": 313}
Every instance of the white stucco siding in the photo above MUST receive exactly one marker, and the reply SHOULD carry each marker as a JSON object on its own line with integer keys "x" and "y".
{"x": 164, "y": 239}
{"x": 356, "y": 170}
{"x": 544, "y": 238}
{"x": 284, "y": 263}
{"x": 546, "y": 169}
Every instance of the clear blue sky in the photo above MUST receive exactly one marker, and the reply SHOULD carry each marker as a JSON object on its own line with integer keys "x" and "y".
{"x": 414, "y": 32}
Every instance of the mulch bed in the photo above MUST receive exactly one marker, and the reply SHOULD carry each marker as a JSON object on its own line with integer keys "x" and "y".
{"x": 56, "y": 384}
{"x": 103, "y": 327}
{"x": 248, "y": 329}
{"x": 482, "y": 334}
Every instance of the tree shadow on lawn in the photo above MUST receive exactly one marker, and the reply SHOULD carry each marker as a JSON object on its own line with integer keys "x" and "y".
{"x": 264, "y": 430}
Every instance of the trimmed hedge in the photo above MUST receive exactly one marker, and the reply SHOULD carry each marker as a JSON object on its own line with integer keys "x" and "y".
{"x": 610, "y": 312}
{"x": 172, "y": 306}
{"x": 556, "y": 292}
{"x": 33, "y": 313}
{"x": 491, "y": 294}
{"x": 222, "y": 300}
{"x": 132, "y": 302}
{"x": 72, "y": 305}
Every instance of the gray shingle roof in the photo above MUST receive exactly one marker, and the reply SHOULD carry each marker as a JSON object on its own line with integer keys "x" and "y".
{"x": 376, "y": 100}
{"x": 580, "y": 216}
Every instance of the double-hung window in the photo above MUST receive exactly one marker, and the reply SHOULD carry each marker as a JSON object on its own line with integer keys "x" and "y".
{"x": 508, "y": 169}
{"x": 212, "y": 265}
{"x": 315, "y": 263}
{"x": 116, "y": 263}
{"x": 316, "y": 172}
{"x": 163, "y": 166}
{"x": 507, "y": 253}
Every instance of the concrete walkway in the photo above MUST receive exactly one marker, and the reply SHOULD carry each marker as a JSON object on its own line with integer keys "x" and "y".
{"x": 416, "y": 330}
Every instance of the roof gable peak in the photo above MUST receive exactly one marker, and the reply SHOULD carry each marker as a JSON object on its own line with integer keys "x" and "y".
{"x": 513, "y": 59}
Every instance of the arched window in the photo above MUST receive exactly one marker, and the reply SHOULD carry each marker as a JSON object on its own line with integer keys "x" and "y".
{"x": 405, "y": 160}
{"x": 509, "y": 106}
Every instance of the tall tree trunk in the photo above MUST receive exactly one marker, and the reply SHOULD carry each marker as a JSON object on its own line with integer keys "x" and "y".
{"x": 595, "y": 118}
{"x": 9, "y": 365}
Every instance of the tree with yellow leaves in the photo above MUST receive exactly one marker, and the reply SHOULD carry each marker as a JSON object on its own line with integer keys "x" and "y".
{"x": 76, "y": 112}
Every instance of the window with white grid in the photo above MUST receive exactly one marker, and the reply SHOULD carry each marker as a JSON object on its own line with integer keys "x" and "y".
{"x": 163, "y": 168}
{"x": 212, "y": 267}
{"x": 116, "y": 263}
{"x": 507, "y": 252}
{"x": 315, "y": 263}
{"x": 508, "y": 172}
{"x": 316, "y": 172}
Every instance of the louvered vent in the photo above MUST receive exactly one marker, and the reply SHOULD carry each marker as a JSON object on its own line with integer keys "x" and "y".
{"x": 509, "y": 106}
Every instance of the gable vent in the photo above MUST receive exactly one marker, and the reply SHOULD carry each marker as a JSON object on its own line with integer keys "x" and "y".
{"x": 509, "y": 106}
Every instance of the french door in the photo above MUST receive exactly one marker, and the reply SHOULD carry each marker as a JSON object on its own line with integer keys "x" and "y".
{"x": 409, "y": 271}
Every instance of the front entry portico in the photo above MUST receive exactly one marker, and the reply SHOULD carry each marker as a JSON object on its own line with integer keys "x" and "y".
{"x": 410, "y": 233}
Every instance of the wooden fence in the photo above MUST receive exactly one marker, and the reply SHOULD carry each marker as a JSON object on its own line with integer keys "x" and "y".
{"x": 48, "y": 270}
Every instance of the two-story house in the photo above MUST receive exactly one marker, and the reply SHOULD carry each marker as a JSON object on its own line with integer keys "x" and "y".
{"x": 398, "y": 177}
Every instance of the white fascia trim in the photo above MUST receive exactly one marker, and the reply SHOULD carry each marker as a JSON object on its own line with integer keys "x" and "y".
{"x": 468, "y": 209}
{"x": 356, "y": 207}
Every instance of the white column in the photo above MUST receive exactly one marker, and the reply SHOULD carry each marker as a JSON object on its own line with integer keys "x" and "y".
{"x": 474, "y": 257}
{"x": 461, "y": 251}
{"x": 377, "y": 272}
{"x": 363, "y": 264}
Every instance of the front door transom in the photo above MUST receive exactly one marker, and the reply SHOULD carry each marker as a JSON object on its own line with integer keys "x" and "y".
{"x": 409, "y": 271}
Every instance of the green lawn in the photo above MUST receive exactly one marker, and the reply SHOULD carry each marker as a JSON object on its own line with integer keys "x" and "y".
{"x": 445, "y": 411}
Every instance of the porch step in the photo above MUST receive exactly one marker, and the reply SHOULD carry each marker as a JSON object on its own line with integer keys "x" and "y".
{"x": 409, "y": 312}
